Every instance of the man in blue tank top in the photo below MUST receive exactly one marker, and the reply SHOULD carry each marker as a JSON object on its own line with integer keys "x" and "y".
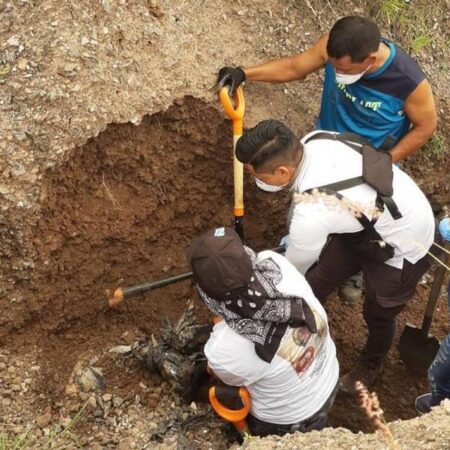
{"x": 371, "y": 87}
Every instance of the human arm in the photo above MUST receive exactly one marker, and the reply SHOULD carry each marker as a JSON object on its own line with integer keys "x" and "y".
{"x": 308, "y": 235}
{"x": 278, "y": 71}
{"x": 291, "y": 68}
{"x": 421, "y": 111}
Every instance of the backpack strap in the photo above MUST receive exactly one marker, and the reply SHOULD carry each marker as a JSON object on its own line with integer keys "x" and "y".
{"x": 356, "y": 142}
{"x": 367, "y": 224}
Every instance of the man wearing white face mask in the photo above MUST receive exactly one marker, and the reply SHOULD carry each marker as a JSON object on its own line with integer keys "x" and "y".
{"x": 371, "y": 88}
{"x": 355, "y": 211}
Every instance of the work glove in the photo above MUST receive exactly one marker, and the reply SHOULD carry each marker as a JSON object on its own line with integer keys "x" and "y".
{"x": 230, "y": 76}
{"x": 444, "y": 229}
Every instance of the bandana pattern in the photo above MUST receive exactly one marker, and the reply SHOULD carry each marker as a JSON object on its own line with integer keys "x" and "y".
{"x": 259, "y": 312}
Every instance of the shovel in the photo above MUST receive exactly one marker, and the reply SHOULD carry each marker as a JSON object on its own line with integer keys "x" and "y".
{"x": 417, "y": 348}
{"x": 236, "y": 114}
{"x": 118, "y": 295}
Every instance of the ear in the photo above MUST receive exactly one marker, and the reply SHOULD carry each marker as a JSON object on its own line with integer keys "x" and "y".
{"x": 282, "y": 171}
{"x": 371, "y": 58}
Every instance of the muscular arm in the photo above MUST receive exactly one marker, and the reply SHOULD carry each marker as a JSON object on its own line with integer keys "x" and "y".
{"x": 421, "y": 111}
{"x": 292, "y": 68}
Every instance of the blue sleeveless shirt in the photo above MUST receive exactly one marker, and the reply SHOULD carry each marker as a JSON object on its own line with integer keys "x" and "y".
{"x": 373, "y": 106}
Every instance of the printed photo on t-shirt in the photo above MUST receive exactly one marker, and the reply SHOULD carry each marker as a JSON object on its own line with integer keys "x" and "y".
{"x": 303, "y": 349}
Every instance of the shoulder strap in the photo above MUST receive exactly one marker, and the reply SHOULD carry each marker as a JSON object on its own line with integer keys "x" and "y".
{"x": 362, "y": 219}
{"x": 355, "y": 142}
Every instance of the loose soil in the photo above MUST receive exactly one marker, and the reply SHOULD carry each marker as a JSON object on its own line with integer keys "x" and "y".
{"x": 121, "y": 211}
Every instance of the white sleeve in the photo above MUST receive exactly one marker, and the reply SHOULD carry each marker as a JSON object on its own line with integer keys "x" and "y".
{"x": 308, "y": 233}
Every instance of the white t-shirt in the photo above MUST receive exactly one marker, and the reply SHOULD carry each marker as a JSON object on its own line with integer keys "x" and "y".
{"x": 300, "y": 377}
{"x": 327, "y": 161}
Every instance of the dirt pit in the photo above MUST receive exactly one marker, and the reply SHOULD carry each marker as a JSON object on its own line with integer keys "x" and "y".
{"x": 122, "y": 210}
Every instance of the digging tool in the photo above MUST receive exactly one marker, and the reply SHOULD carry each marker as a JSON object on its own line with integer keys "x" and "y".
{"x": 116, "y": 296}
{"x": 417, "y": 348}
{"x": 236, "y": 114}
{"x": 232, "y": 404}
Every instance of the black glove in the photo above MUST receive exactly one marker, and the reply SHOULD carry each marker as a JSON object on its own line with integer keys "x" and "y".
{"x": 230, "y": 76}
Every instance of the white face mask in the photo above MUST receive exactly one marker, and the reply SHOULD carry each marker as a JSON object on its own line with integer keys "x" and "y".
{"x": 269, "y": 187}
{"x": 345, "y": 78}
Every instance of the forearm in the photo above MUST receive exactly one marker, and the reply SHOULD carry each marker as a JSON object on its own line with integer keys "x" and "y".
{"x": 411, "y": 143}
{"x": 277, "y": 71}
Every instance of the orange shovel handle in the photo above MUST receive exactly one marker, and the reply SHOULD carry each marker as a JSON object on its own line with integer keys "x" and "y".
{"x": 234, "y": 111}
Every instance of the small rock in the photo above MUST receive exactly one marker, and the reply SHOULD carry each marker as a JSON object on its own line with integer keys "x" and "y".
{"x": 92, "y": 402}
{"x": 43, "y": 420}
{"x": 107, "y": 397}
{"x": 91, "y": 379}
{"x": 6, "y": 402}
{"x": 65, "y": 422}
{"x": 84, "y": 40}
{"x": 22, "y": 63}
{"x": 13, "y": 41}
{"x": 117, "y": 402}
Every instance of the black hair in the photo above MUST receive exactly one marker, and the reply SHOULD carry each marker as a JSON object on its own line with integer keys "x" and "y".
{"x": 353, "y": 36}
{"x": 268, "y": 145}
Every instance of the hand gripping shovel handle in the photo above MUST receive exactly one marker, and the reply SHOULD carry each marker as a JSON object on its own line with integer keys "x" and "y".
{"x": 434, "y": 296}
{"x": 236, "y": 113}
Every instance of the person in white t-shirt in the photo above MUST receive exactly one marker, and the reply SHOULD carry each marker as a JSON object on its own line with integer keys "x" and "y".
{"x": 341, "y": 225}
{"x": 274, "y": 337}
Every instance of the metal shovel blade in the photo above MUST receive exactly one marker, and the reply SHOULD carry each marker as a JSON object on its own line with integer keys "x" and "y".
{"x": 416, "y": 350}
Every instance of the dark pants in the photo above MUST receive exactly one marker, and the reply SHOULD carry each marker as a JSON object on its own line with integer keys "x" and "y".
{"x": 387, "y": 290}
{"x": 317, "y": 421}
{"x": 439, "y": 371}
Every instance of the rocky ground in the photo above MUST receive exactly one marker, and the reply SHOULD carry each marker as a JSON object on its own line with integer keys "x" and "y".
{"x": 114, "y": 153}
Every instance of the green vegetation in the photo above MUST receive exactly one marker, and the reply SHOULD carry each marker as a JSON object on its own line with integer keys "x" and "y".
{"x": 26, "y": 441}
{"x": 434, "y": 149}
{"x": 409, "y": 24}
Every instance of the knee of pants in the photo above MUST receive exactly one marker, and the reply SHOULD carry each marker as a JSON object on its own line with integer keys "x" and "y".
{"x": 376, "y": 314}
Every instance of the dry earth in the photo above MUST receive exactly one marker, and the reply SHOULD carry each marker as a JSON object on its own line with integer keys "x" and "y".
{"x": 114, "y": 153}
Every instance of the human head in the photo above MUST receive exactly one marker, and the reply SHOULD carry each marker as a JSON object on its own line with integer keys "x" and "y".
{"x": 219, "y": 262}
{"x": 270, "y": 152}
{"x": 352, "y": 44}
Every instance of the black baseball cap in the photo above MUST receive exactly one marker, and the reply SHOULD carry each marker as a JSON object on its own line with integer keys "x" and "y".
{"x": 219, "y": 262}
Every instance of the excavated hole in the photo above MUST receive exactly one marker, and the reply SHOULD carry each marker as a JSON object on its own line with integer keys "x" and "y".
{"x": 122, "y": 210}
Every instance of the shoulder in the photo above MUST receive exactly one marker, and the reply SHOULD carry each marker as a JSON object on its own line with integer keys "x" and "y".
{"x": 400, "y": 78}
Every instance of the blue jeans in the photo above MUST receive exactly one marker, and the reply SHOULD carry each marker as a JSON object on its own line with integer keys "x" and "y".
{"x": 439, "y": 371}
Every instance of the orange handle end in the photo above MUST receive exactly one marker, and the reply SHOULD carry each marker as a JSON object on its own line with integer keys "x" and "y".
{"x": 114, "y": 297}
{"x": 234, "y": 112}
{"x": 230, "y": 415}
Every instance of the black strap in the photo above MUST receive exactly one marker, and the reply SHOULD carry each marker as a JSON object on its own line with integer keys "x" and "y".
{"x": 344, "y": 184}
{"x": 362, "y": 219}
{"x": 391, "y": 207}
{"x": 355, "y": 141}
{"x": 352, "y": 140}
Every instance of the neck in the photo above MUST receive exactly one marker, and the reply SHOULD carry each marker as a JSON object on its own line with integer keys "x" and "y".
{"x": 297, "y": 169}
{"x": 382, "y": 55}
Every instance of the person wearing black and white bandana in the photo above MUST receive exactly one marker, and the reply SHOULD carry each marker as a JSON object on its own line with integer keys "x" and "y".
{"x": 274, "y": 338}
